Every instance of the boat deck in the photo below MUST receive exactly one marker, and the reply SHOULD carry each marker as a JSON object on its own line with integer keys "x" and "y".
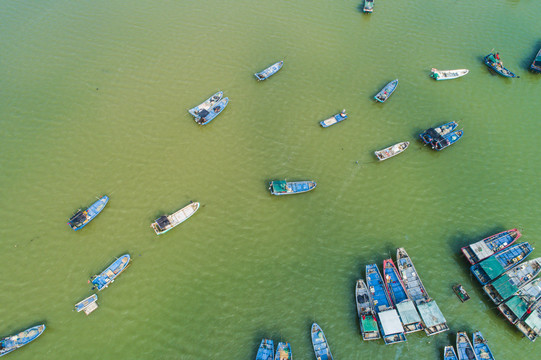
{"x": 433, "y": 318}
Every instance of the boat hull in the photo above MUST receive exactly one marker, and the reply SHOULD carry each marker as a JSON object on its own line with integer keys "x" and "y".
{"x": 480, "y": 347}
{"x": 334, "y": 119}
{"x": 283, "y": 351}
{"x": 268, "y": 72}
{"x": 16, "y": 341}
{"x": 498, "y": 68}
{"x": 279, "y": 187}
{"x": 207, "y": 104}
{"x": 89, "y": 214}
{"x": 320, "y": 344}
{"x": 167, "y": 222}
{"x": 448, "y": 74}
{"x": 108, "y": 276}
{"x": 387, "y": 91}
{"x": 487, "y": 247}
{"x": 391, "y": 151}
{"x": 265, "y": 350}
{"x": 449, "y": 353}
{"x": 464, "y": 347}
{"x": 206, "y": 117}
{"x": 365, "y": 311}
{"x": 536, "y": 63}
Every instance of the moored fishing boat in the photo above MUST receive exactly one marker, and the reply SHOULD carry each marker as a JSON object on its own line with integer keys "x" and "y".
{"x": 282, "y": 187}
{"x": 387, "y": 91}
{"x": 512, "y": 280}
{"x": 365, "y": 311}
{"x": 268, "y": 72}
{"x": 480, "y": 250}
{"x": 536, "y": 64}
{"x": 368, "y": 6}
{"x": 432, "y": 134}
{"x": 493, "y": 61}
{"x": 108, "y": 275}
{"x": 480, "y": 347}
{"x": 335, "y": 119}
{"x": 283, "y": 351}
{"x": 206, "y": 116}
{"x": 87, "y": 305}
{"x": 319, "y": 342}
{"x": 447, "y": 74}
{"x": 518, "y": 306}
{"x": 83, "y": 217}
{"x": 166, "y": 222}
{"x": 449, "y": 353}
{"x": 530, "y": 325}
{"x": 207, "y": 104}
{"x": 13, "y": 342}
{"x": 265, "y": 350}
{"x": 391, "y": 150}
{"x": 464, "y": 347}
{"x": 495, "y": 265}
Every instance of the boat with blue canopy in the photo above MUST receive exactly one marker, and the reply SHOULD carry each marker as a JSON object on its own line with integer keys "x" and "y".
{"x": 283, "y": 187}
{"x": 530, "y": 326}
{"x": 268, "y": 72}
{"x": 206, "y": 116}
{"x": 283, "y": 351}
{"x": 432, "y": 134}
{"x": 365, "y": 312}
{"x": 13, "y": 342}
{"x": 464, "y": 347}
{"x": 87, "y": 305}
{"x": 536, "y": 64}
{"x": 387, "y": 91}
{"x": 108, "y": 275}
{"x": 266, "y": 350}
{"x": 368, "y": 6}
{"x": 207, "y": 104}
{"x": 449, "y": 353}
{"x": 335, "y": 119}
{"x": 487, "y": 247}
{"x": 518, "y": 306}
{"x": 83, "y": 217}
{"x": 493, "y": 61}
{"x": 480, "y": 347}
{"x": 319, "y": 342}
{"x": 495, "y": 265}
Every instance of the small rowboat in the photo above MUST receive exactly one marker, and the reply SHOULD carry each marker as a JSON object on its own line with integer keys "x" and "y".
{"x": 448, "y": 74}
{"x": 497, "y": 65}
{"x": 10, "y": 343}
{"x": 536, "y": 64}
{"x": 268, "y": 72}
{"x": 480, "y": 347}
{"x": 266, "y": 350}
{"x": 166, "y": 222}
{"x": 83, "y": 217}
{"x": 334, "y": 119}
{"x": 387, "y": 91}
{"x": 283, "y": 351}
{"x": 461, "y": 293}
{"x": 447, "y": 140}
{"x": 282, "y": 187}
{"x": 464, "y": 347}
{"x": 391, "y": 151}
{"x": 108, "y": 275}
{"x": 207, "y": 104}
{"x": 319, "y": 342}
{"x": 206, "y": 116}
{"x": 449, "y": 353}
{"x": 368, "y": 6}
{"x": 87, "y": 305}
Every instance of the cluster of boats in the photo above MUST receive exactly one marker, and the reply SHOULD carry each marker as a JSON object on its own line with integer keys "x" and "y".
{"x": 209, "y": 109}
{"x": 479, "y": 350}
{"x": 497, "y": 262}
{"x": 440, "y": 137}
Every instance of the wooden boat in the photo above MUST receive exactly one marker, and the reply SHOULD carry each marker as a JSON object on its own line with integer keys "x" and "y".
{"x": 207, "y": 104}
{"x": 530, "y": 325}
{"x": 461, "y": 293}
{"x": 536, "y": 64}
{"x": 166, "y": 222}
{"x": 283, "y": 351}
{"x": 335, "y": 119}
{"x": 266, "y": 350}
{"x": 83, "y": 217}
{"x": 206, "y": 116}
{"x": 108, "y": 275}
{"x": 495, "y": 265}
{"x": 368, "y": 6}
{"x": 13, "y": 342}
{"x": 365, "y": 310}
{"x": 449, "y": 353}
{"x": 489, "y": 246}
{"x": 87, "y": 305}
{"x": 282, "y": 187}
{"x": 497, "y": 65}
{"x": 268, "y": 72}
{"x": 433, "y": 134}
{"x": 512, "y": 280}
{"x": 464, "y": 347}
{"x": 517, "y": 306}
{"x": 448, "y": 74}
{"x": 480, "y": 347}
{"x": 391, "y": 150}
{"x": 387, "y": 91}
{"x": 319, "y": 342}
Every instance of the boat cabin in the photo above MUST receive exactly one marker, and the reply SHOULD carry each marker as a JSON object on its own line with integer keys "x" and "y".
{"x": 391, "y": 327}
{"x": 78, "y": 219}
{"x": 163, "y": 222}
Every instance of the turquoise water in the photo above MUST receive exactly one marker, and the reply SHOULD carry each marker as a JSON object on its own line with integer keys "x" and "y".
{"x": 94, "y": 101}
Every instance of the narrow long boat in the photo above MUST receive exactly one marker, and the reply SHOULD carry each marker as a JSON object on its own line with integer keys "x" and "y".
{"x": 530, "y": 325}
{"x": 266, "y": 350}
{"x": 518, "y": 306}
{"x": 13, "y": 342}
{"x": 432, "y": 134}
{"x": 83, "y": 217}
{"x": 536, "y": 63}
{"x": 166, "y": 222}
{"x": 482, "y": 249}
{"x": 365, "y": 310}
{"x": 335, "y": 119}
{"x": 512, "y": 280}
{"x": 87, "y": 305}
{"x": 206, "y": 116}
{"x": 464, "y": 347}
{"x": 495, "y": 265}
{"x": 480, "y": 347}
{"x": 207, "y": 104}
{"x": 268, "y": 72}
{"x": 492, "y": 62}
{"x": 449, "y": 353}
{"x": 319, "y": 342}
{"x": 391, "y": 151}
{"x": 447, "y": 140}
{"x": 283, "y": 351}
{"x": 448, "y": 74}
{"x": 387, "y": 91}
{"x": 109, "y": 275}
{"x": 282, "y": 187}
{"x": 411, "y": 320}
{"x": 368, "y": 6}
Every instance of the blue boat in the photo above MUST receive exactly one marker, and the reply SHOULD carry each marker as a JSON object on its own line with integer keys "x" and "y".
{"x": 207, "y": 104}
{"x": 464, "y": 347}
{"x": 266, "y": 350}
{"x": 368, "y": 6}
{"x": 387, "y": 91}
{"x": 492, "y": 61}
{"x": 87, "y": 305}
{"x": 10, "y": 343}
{"x": 282, "y": 187}
{"x": 449, "y": 353}
{"x": 482, "y": 249}
{"x": 335, "y": 119}
{"x": 480, "y": 347}
{"x": 108, "y": 275}
{"x": 447, "y": 140}
{"x": 206, "y": 116}
{"x": 432, "y": 134}
{"x": 83, "y": 217}
{"x": 268, "y": 72}
{"x": 319, "y": 342}
{"x": 494, "y": 266}
{"x": 283, "y": 351}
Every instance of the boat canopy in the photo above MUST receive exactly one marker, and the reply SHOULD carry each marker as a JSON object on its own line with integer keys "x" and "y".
{"x": 78, "y": 218}
{"x": 279, "y": 186}
{"x": 504, "y": 286}
{"x": 431, "y": 314}
{"x": 492, "y": 267}
{"x": 203, "y": 113}
{"x": 407, "y": 312}
{"x": 481, "y": 250}
{"x": 163, "y": 222}
{"x": 390, "y": 322}
{"x": 534, "y": 321}
{"x": 518, "y": 306}
{"x": 369, "y": 323}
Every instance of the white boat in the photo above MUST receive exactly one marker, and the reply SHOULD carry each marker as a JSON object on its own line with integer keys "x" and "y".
{"x": 391, "y": 150}
{"x": 87, "y": 305}
{"x": 167, "y": 222}
{"x": 448, "y": 74}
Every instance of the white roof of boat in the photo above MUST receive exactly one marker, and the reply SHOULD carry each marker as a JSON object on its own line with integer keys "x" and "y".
{"x": 390, "y": 322}
{"x": 407, "y": 312}
{"x": 431, "y": 314}
{"x": 481, "y": 250}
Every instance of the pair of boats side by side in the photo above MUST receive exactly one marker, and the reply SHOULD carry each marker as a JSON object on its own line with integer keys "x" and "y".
{"x": 479, "y": 350}
{"x": 266, "y": 351}
{"x": 438, "y": 138}
{"x": 209, "y": 109}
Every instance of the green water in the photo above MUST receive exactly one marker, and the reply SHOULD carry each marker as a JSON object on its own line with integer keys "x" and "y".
{"x": 93, "y": 101}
